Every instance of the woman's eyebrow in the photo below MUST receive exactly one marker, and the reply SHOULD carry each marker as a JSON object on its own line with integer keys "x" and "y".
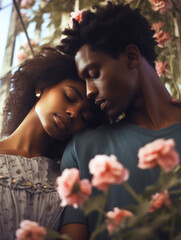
{"x": 76, "y": 91}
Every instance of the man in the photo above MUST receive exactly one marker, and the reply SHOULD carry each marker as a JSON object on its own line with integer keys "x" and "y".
{"x": 114, "y": 53}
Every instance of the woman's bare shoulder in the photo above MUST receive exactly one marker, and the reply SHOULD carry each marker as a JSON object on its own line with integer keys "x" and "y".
{"x": 4, "y": 148}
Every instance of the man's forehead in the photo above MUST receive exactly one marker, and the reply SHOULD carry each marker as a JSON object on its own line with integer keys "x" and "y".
{"x": 86, "y": 58}
{"x": 83, "y": 58}
{"x": 83, "y": 54}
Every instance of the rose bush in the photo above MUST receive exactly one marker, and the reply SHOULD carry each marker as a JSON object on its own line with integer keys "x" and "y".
{"x": 154, "y": 205}
{"x": 161, "y": 5}
{"x": 161, "y": 68}
{"x": 157, "y": 212}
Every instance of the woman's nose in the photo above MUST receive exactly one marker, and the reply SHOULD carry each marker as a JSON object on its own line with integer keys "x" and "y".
{"x": 71, "y": 114}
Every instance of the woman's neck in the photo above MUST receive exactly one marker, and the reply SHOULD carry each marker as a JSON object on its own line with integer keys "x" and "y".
{"x": 30, "y": 139}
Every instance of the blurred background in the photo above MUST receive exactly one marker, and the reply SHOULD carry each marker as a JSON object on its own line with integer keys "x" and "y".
{"x": 28, "y": 25}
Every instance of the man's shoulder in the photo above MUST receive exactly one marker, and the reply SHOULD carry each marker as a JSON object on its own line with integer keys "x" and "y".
{"x": 91, "y": 132}
{"x": 98, "y": 132}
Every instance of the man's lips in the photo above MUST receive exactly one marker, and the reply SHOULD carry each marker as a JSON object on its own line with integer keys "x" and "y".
{"x": 60, "y": 122}
{"x": 101, "y": 103}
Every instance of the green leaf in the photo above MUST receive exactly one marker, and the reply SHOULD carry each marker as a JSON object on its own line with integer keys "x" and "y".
{"x": 93, "y": 203}
{"x": 143, "y": 233}
{"x": 98, "y": 230}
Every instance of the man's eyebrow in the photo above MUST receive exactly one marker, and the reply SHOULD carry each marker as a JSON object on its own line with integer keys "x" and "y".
{"x": 77, "y": 91}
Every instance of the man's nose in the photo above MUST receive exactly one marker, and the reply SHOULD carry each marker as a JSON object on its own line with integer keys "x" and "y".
{"x": 91, "y": 90}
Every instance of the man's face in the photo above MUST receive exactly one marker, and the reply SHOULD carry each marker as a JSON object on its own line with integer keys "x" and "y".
{"x": 110, "y": 82}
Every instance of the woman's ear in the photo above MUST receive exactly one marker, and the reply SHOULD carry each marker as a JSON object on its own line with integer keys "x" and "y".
{"x": 133, "y": 55}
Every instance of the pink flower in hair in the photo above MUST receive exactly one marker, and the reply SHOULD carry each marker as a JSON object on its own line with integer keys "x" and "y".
{"x": 30, "y": 230}
{"x": 107, "y": 170}
{"x": 161, "y": 5}
{"x": 162, "y": 38}
{"x": 115, "y": 217}
{"x": 159, "y": 200}
{"x": 75, "y": 15}
{"x": 71, "y": 189}
{"x": 161, "y": 153}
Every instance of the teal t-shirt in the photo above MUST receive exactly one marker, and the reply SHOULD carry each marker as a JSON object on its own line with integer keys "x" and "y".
{"x": 122, "y": 139}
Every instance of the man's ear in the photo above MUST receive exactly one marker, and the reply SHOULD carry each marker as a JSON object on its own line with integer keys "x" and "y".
{"x": 132, "y": 54}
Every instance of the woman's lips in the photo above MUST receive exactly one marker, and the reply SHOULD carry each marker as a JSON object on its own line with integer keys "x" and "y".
{"x": 59, "y": 122}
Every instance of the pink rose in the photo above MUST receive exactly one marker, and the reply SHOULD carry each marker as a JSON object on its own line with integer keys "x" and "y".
{"x": 159, "y": 200}
{"x": 161, "y": 68}
{"x": 161, "y": 5}
{"x": 33, "y": 44}
{"x": 158, "y": 153}
{"x": 157, "y": 26}
{"x": 22, "y": 55}
{"x": 107, "y": 170}
{"x": 27, "y": 3}
{"x": 75, "y": 15}
{"x": 30, "y": 230}
{"x": 162, "y": 37}
{"x": 71, "y": 189}
{"x": 115, "y": 217}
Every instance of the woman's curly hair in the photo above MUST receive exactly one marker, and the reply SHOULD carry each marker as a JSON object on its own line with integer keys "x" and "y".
{"x": 46, "y": 69}
{"x": 110, "y": 29}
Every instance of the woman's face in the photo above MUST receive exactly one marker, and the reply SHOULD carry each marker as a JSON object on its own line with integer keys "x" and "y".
{"x": 64, "y": 109}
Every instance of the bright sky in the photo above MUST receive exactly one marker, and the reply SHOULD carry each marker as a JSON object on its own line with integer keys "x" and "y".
{"x": 5, "y": 16}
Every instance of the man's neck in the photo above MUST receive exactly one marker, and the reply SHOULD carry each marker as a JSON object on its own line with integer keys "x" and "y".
{"x": 152, "y": 108}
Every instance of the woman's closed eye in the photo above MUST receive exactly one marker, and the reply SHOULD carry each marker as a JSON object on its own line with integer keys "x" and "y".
{"x": 70, "y": 97}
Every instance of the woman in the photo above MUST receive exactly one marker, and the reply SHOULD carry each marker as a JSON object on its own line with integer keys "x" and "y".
{"x": 47, "y": 104}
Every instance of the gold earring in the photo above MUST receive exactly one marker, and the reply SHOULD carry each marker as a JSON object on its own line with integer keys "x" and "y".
{"x": 38, "y": 93}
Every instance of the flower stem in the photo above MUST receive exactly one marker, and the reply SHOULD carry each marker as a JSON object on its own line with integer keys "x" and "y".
{"x": 103, "y": 206}
{"x": 132, "y": 192}
{"x": 171, "y": 60}
{"x": 101, "y": 213}
{"x": 175, "y": 192}
{"x": 171, "y": 233}
{"x": 138, "y": 3}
